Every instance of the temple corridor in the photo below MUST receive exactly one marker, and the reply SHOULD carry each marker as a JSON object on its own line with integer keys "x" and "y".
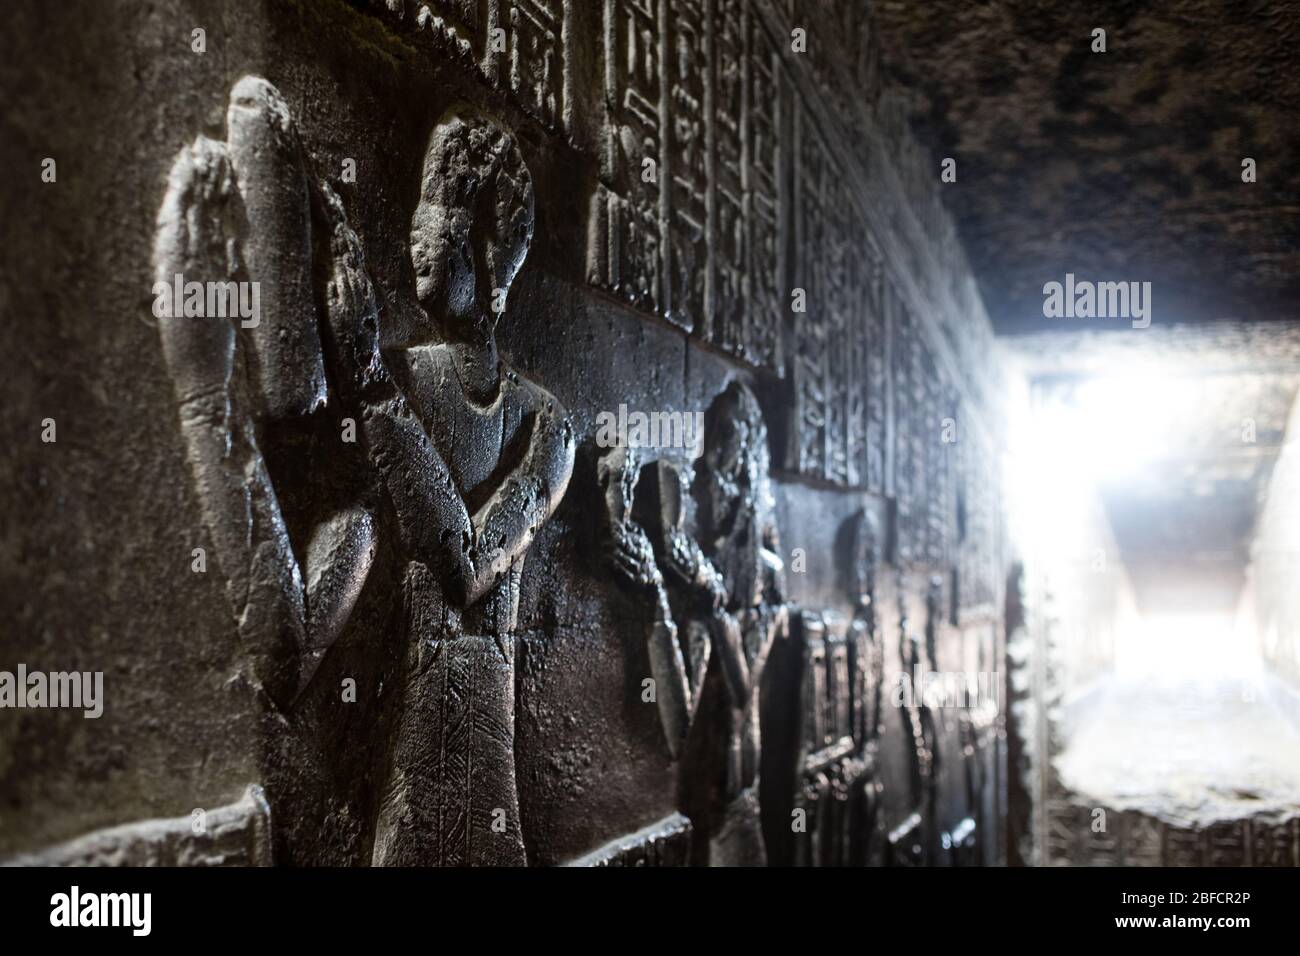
{"x": 651, "y": 433}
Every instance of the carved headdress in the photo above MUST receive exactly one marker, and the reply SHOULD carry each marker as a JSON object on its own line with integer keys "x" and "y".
{"x": 472, "y": 228}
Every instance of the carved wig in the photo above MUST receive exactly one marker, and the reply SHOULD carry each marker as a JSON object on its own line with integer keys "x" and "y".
{"x": 734, "y": 494}
{"x": 474, "y": 218}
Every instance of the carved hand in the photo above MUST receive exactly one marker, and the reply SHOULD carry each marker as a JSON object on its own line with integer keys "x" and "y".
{"x": 693, "y": 569}
{"x": 632, "y": 556}
{"x": 504, "y": 528}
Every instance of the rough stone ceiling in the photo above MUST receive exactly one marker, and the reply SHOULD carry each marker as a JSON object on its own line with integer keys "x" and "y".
{"x": 1117, "y": 166}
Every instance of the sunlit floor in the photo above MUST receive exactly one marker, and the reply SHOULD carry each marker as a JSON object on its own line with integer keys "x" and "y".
{"x": 1186, "y": 750}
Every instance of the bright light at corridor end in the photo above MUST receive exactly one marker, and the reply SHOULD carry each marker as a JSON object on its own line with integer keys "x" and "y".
{"x": 1114, "y": 425}
{"x": 1117, "y": 430}
{"x": 1184, "y": 647}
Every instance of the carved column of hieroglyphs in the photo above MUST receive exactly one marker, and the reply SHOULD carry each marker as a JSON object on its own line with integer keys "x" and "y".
{"x": 905, "y": 402}
{"x": 948, "y": 434}
{"x": 729, "y": 218}
{"x": 687, "y": 163}
{"x": 836, "y": 432}
{"x": 977, "y": 520}
{"x": 810, "y": 436}
{"x": 746, "y": 301}
{"x": 923, "y": 433}
{"x": 875, "y": 378}
{"x": 940, "y": 437}
{"x": 519, "y": 46}
{"x": 535, "y": 65}
{"x": 624, "y": 241}
{"x": 687, "y": 217}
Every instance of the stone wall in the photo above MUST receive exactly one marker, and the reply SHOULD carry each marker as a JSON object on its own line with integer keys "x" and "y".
{"x": 1274, "y": 564}
{"x": 382, "y": 550}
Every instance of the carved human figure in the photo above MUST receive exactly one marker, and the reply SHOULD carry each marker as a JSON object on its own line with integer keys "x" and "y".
{"x": 864, "y": 629}
{"x": 471, "y": 458}
{"x": 651, "y": 550}
{"x": 916, "y": 658}
{"x": 739, "y": 537}
{"x": 868, "y": 675}
{"x": 238, "y": 216}
{"x": 496, "y": 452}
{"x": 726, "y": 585}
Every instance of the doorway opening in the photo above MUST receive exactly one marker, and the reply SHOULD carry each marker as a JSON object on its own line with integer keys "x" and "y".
{"x": 1151, "y": 501}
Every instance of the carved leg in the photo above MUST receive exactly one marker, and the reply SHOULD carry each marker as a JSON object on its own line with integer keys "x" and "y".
{"x": 452, "y": 799}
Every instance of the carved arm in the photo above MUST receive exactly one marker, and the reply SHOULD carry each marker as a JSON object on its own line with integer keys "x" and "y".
{"x": 505, "y": 526}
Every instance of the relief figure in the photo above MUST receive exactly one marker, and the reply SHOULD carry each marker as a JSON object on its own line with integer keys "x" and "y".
{"x": 467, "y": 457}
{"x": 495, "y": 451}
{"x": 711, "y": 569}
{"x": 238, "y": 216}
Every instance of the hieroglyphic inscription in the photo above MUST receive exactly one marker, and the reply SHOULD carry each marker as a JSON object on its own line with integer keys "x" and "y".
{"x": 747, "y": 275}
{"x": 976, "y": 521}
{"x": 687, "y": 215}
{"x": 535, "y": 64}
{"x": 687, "y": 162}
{"x": 519, "y": 46}
{"x": 908, "y": 397}
{"x": 837, "y": 338}
{"x": 625, "y": 244}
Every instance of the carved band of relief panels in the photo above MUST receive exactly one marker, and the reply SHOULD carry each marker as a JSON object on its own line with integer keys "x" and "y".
{"x": 926, "y": 436}
{"x": 977, "y": 524}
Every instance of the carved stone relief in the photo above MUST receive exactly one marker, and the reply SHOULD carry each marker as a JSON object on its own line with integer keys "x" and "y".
{"x": 495, "y": 453}
{"x": 832, "y": 680}
{"x": 473, "y": 458}
{"x": 519, "y": 46}
{"x": 238, "y": 834}
{"x": 717, "y": 597}
{"x": 687, "y": 218}
{"x": 241, "y": 211}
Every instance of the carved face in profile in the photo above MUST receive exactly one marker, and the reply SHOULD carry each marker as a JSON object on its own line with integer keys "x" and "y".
{"x": 473, "y": 224}
{"x": 732, "y": 489}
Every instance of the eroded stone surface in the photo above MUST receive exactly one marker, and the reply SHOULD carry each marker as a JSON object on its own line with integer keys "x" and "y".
{"x": 1118, "y": 165}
